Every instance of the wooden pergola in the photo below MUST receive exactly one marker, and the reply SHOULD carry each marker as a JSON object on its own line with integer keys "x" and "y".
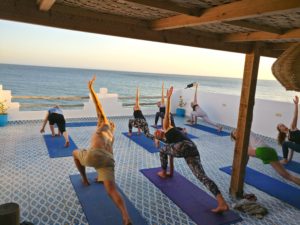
{"x": 253, "y": 27}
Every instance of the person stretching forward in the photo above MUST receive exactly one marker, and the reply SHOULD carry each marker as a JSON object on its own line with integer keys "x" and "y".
{"x": 257, "y": 148}
{"x": 180, "y": 146}
{"x": 100, "y": 156}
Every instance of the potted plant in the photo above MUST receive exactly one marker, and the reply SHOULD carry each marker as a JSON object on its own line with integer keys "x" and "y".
{"x": 3, "y": 113}
{"x": 180, "y": 111}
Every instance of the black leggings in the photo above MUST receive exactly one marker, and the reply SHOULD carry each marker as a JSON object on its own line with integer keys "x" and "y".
{"x": 55, "y": 118}
{"x": 162, "y": 115}
{"x": 142, "y": 124}
{"x": 289, "y": 145}
{"x": 188, "y": 151}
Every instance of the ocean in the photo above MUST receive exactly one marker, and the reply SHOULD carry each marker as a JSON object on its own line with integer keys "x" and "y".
{"x": 52, "y": 81}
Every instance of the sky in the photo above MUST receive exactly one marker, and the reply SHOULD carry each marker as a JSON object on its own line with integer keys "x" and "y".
{"x": 27, "y": 44}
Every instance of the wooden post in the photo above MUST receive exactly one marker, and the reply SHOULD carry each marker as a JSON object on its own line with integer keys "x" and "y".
{"x": 244, "y": 122}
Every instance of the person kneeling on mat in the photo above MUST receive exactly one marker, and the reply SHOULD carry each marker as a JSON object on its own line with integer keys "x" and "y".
{"x": 180, "y": 146}
{"x": 100, "y": 156}
{"x": 257, "y": 148}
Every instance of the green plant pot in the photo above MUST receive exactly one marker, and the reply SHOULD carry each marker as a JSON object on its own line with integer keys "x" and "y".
{"x": 180, "y": 112}
{"x": 3, "y": 120}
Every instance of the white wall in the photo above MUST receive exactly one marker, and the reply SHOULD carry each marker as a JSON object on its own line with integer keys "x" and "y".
{"x": 224, "y": 109}
{"x": 220, "y": 108}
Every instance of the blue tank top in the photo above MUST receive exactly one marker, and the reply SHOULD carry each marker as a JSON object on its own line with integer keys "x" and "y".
{"x": 55, "y": 110}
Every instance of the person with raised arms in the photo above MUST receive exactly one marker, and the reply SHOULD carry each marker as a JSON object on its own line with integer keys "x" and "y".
{"x": 180, "y": 146}
{"x": 139, "y": 120}
{"x": 199, "y": 112}
{"x": 100, "y": 156}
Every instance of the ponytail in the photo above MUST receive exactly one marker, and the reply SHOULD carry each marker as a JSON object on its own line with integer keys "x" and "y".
{"x": 280, "y": 137}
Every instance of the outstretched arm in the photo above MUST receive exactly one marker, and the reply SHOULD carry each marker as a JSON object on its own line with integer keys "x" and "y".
{"x": 44, "y": 123}
{"x": 167, "y": 120}
{"x": 195, "y": 96}
{"x": 162, "y": 95}
{"x": 137, "y": 98}
{"x": 100, "y": 112}
{"x": 294, "y": 122}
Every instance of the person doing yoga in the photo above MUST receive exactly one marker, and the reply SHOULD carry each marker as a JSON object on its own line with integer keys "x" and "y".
{"x": 100, "y": 156}
{"x": 139, "y": 120}
{"x": 180, "y": 146}
{"x": 199, "y": 112}
{"x": 257, "y": 148}
{"x": 293, "y": 135}
{"x": 161, "y": 106}
{"x": 55, "y": 116}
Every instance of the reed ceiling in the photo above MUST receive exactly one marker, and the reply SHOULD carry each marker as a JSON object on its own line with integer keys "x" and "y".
{"x": 228, "y": 25}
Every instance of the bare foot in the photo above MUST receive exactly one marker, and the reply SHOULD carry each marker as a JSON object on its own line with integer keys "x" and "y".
{"x": 169, "y": 174}
{"x": 220, "y": 128}
{"x": 162, "y": 174}
{"x": 85, "y": 182}
{"x": 139, "y": 131}
{"x": 221, "y": 208}
{"x": 129, "y": 134}
{"x": 284, "y": 161}
{"x": 154, "y": 125}
{"x": 127, "y": 221}
{"x": 67, "y": 144}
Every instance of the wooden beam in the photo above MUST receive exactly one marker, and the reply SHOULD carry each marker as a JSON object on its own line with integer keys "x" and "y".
{"x": 262, "y": 36}
{"x": 168, "y": 5}
{"x": 45, "y": 5}
{"x": 244, "y": 122}
{"x": 254, "y": 26}
{"x": 237, "y": 10}
{"x": 74, "y": 18}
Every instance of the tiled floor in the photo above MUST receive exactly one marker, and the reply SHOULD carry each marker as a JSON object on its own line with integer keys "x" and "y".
{"x": 42, "y": 188}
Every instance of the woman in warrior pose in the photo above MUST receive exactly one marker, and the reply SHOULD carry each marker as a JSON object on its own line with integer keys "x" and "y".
{"x": 199, "y": 112}
{"x": 100, "y": 156}
{"x": 180, "y": 146}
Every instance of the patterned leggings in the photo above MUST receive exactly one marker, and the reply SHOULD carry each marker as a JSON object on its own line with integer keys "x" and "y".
{"x": 188, "y": 151}
{"x": 142, "y": 124}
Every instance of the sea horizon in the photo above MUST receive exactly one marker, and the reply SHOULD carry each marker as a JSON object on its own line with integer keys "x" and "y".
{"x": 35, "y": 80}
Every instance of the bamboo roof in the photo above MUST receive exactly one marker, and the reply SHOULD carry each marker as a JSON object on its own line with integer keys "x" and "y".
{"x": 228, "y": 25}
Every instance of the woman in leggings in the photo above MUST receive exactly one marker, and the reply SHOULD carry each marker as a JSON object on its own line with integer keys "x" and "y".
{"x": 293, "y": 134}
{"x": 180, "y": 146}
{"x": 139, "y": 120}
{"x": 199, "y": 112}
{"x": 257, "y": 148}
{"x": 161, "y": 106}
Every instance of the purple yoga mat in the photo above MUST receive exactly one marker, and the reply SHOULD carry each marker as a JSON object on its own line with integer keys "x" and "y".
{"x": 191, "y": 199}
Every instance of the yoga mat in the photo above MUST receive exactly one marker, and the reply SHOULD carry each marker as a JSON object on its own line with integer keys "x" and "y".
{"x": 209, "y": 129}
{"x": 55, "y": 146}
{"x": 292, "y": 166}
{"x": 82, "y": 124}
{"x": 271, "y": 186}
{"x": 98, "y": 207}
{"x": 142, "y": 141}
{"x": 188, "y": 135}
{"x": 191, "y": 199}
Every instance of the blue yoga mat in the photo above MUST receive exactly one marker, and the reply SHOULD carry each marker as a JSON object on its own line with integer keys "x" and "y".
{"x": 292, "y": 166}
{"x": 271, "y": 186}
{"x": 142, "y": 141}
{"x": 196, "y": 203}
{"x": 209, "y": 129}
{"x": 188, "y": 135}
{"x": 82, "y": 124}
{"x": 55, "y": 146}
{"x": 98, "y": 207}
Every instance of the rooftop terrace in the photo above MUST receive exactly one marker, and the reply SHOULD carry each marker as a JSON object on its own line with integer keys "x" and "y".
{"x": 42, "y": 188}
